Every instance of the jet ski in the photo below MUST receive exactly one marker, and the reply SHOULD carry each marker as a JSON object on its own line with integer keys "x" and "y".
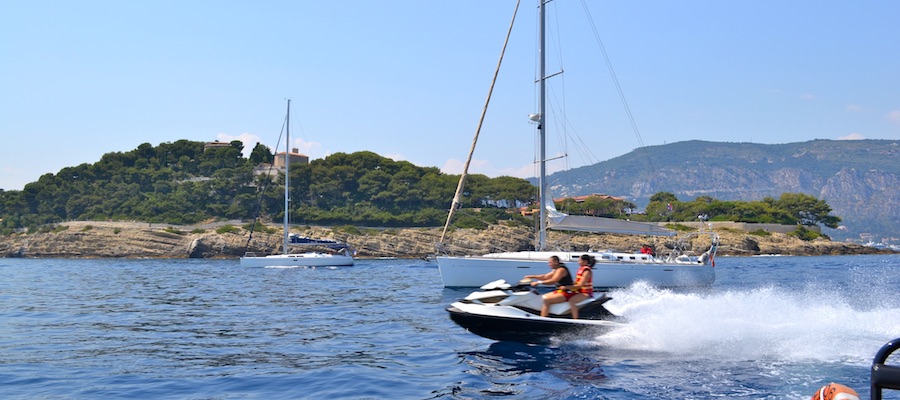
{"x": 505, "y": 312}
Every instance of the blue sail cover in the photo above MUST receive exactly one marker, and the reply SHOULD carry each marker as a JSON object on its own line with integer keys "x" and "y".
{"x": 303, "y": 240}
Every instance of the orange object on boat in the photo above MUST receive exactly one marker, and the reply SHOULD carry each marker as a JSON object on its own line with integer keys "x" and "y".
{"x": 835, "y": 391}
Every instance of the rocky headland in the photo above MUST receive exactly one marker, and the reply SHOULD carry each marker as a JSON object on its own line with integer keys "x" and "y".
{"x": 102, "y": 239}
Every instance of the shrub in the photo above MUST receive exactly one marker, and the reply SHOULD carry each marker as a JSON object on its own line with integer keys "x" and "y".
{"x": 806, "y": 234}
{"x": 466, "y": 221}
{"x": 259, "y": 227}
{"x": 172, "y": 229}
{"x": 349, "y": 229}
{"x": 228, "y": 229}
{"x": 680, "y": 227}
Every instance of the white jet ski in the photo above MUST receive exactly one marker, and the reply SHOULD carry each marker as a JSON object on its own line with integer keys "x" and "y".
{"x": 504, "y": 312}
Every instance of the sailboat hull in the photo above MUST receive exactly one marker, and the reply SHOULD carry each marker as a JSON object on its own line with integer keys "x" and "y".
{"x": 609, "y": 272}
{"x": 311, "y": 259}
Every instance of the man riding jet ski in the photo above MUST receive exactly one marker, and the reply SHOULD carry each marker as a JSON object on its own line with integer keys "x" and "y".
{"x": 500, "y": 311}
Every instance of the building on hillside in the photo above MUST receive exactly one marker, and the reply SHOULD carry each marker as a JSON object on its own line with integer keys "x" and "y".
{"x": 278, "y": 166}
{"x": 215, "y": 145}
{"x": 294, "y": 156}
{"x": 265, "y": 169}
{"x": 528, "y": 210}
{"x": 581, "y": 199}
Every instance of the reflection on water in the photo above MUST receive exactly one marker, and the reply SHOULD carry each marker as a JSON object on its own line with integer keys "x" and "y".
{"x": 512, "y": 358}
{"x": 504, "y": 365}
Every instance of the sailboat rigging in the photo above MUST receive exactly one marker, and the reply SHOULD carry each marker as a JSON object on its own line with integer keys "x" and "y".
{"x": 614, "y": 269}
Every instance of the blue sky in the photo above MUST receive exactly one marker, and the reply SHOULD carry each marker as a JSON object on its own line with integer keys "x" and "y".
{"x": 407, "y": 79}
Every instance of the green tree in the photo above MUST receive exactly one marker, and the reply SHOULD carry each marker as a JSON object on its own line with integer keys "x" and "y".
{"x": 807, "y": 210}
{"x": 261, "y": 154}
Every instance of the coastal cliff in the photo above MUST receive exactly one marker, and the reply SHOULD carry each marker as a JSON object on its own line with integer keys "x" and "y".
{"x": 142, "y": 240}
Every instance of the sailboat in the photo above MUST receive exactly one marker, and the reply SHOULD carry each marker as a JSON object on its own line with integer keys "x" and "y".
{"x": 680, "y": 267}
{"x": 341, "y": 253}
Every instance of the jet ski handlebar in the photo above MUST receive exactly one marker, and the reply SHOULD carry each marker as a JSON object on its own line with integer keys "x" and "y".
{"x": 885, "y": 376}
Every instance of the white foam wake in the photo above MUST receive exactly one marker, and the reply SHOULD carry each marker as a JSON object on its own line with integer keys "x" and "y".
{"x": 811, "y": 324}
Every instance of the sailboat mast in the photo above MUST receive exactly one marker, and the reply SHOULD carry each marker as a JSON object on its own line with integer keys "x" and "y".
{"x": 287, "y": 179}
{"x": 542, "y": 180}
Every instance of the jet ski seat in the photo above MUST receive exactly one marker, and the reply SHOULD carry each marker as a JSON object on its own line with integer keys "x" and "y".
{"x": 562, "y": 309}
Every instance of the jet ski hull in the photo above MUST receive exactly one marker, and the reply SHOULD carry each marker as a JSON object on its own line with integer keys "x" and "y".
{"x": 519, "y": 326}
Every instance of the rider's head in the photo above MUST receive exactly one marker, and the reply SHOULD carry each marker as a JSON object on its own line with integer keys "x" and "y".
{"x": 554, "y": 262}
{"x": 588, "y": 259}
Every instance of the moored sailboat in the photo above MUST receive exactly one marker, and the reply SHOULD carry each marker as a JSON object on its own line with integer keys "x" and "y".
{"x": 677, "y": 268}
{"x": 339, "y": 255}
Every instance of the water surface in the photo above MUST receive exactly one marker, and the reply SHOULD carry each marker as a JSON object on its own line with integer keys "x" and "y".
{"x": 770, "y": 328}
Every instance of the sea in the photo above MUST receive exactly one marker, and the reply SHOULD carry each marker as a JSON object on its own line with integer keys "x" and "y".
{"x": 769, "y": 328}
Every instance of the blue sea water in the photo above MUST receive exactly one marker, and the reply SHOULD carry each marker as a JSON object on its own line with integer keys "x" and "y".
{"x": 769, "y": 328}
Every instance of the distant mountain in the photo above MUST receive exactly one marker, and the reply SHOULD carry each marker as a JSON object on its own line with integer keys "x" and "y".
{"x": 859, "y": 179}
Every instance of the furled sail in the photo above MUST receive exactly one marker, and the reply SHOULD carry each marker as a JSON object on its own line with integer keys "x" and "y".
{"x": 562, "y": 221}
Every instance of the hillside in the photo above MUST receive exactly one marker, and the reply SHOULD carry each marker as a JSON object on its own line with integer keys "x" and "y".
{"x": 859, "y": 179}
{"x": 143, "y": 240}
{"x": 185, "y": 183}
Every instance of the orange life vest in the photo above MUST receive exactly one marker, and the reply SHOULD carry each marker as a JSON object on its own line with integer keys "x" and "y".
{"x": 587, "y": 286}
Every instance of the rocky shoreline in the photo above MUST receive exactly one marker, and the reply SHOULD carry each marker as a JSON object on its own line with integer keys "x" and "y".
{"x": 102, "y": 239}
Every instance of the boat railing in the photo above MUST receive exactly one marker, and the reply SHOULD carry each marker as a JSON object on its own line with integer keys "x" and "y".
{"x": 885, "y": 376}
{"x": 682, "y": 248}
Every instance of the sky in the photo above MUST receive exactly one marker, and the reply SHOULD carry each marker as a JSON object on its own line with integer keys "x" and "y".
{"x": 408, "y": 79}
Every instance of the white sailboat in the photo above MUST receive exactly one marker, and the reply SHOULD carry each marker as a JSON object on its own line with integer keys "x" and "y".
{"x": 341, "y": 256}
{"x": 678, "y": 268}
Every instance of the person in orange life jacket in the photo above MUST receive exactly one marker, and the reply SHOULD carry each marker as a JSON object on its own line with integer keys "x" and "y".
{"x": 558, "y": 274}
{"x": 645, "y": 249}
{"x": 582, "y": 289}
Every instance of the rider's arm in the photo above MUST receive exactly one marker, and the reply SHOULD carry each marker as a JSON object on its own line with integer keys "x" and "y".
{"x": 539, "y": 277}
{"x": 555, "y": 276}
